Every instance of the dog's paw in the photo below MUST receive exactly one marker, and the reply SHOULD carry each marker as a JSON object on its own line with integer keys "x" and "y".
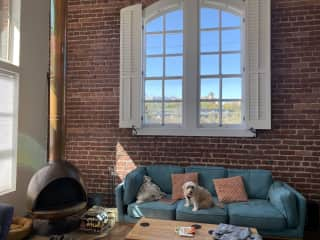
{"x": 187, "y": 205}
{"x": 194, "y": 209}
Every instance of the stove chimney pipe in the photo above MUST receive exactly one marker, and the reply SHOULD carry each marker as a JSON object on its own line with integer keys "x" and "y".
{"x": 56, "y": 80}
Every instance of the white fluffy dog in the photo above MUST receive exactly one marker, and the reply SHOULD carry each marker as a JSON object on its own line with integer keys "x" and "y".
{"x": 196, "y": 195}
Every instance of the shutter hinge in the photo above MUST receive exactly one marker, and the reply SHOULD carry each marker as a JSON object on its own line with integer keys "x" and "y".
{"x": 244, "y": 69}
{"x": 243, "y": 20}
{"x": 141, "y": 118}
{"x": 253, "y": 130}
{"x": 134, "y": 131}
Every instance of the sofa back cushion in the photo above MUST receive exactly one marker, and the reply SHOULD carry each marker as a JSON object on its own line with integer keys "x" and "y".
{"x": 257, "y": 182}
{"x": 206, "y": 174}
{"x": 161, "y": 175}
{"x": 132, "y": 183}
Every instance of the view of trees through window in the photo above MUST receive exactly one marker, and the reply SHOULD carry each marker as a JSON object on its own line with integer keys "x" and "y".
{"x": 220, "y": 75}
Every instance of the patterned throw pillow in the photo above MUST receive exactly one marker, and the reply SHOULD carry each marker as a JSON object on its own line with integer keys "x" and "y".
{"x": 177, "y": 182}
{"x": 230, "y": 189}
{"x": 149, "y": 191}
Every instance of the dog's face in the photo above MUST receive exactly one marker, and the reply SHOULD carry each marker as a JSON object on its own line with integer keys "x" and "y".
{"x": 189, "y": 189}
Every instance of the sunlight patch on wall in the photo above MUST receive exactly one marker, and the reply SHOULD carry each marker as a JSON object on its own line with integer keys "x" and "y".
{"x": 124, "y": 163}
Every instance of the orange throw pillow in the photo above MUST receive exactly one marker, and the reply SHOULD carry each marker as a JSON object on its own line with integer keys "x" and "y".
{"x": 177, "y": 182}
{"x": 230, "y": 189}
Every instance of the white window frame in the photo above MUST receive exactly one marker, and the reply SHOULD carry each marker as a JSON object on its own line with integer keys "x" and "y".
{"x": 10, "y": 67}
{"x": 256, "y": 91}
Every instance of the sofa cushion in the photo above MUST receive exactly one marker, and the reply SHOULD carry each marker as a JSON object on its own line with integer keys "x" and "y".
{"x": 257, "y": 213}
{"x": 178, "y": 180}
{"x": 161, "y": 175}
{"x": 206, "y": 174}
{"x": 213, "y": 215}
{"x": 285, "y": 201}
{"x": 156, "y": 209}
{"x": 132, "y": 183}
{"x": 257, "y": 182}
{"x": 230, "y": 189}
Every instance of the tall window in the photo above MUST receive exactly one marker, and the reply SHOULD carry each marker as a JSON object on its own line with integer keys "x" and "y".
{"x": 220, "y": 67}
{"x": 163, "y": 81}
{"x": 8, "y": 130}
{"x": 9, "y": 75}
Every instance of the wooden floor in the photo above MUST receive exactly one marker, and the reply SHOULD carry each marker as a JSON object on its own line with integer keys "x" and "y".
{"x": 120, "y": 230}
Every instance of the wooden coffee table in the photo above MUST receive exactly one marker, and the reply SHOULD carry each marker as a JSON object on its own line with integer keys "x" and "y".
{"x": 165, "y": 230}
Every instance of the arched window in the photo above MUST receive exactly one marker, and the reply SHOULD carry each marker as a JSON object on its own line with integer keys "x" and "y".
{"x": 205, "y": 68}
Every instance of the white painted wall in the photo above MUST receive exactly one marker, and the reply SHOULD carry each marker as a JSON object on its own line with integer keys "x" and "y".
{"x": 34, "y": 62}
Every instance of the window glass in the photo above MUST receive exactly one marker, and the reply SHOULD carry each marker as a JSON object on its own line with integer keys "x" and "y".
{"x": 174, "y": 21}
{"x": 154, "y": 44}
{"x": 155, "y": 25}
{"x": 209, "y": 18}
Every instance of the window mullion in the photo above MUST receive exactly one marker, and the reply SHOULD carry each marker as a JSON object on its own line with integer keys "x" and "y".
{"x": 164, "y": 67}
{"x": 191, "y": 66}
{"x": 220, "y": 69}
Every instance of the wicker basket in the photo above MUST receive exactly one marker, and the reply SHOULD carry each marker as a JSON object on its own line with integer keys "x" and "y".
{"x": 20, "y": 228}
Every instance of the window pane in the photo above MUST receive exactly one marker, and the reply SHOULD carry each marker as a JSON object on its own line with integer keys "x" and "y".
{"x": 231, "y": 112}
{"x": 174, "y": 20}
{"x": 5, "y": 173}
{"x": 231, "y": 88}
{"x": 209, "y": 113}
{"x": 152, "y": 113}
{"x": 231, "y": 40}
{"x": 230, "y": 20}
{"x": 6, "y": 95}
{"x": 231, "y": 63}
{"x": 173, "y": 113}
{"x": 174, "y": 66}
{"x": 154, "y": 44}
{"x": 209, "y": 88}
{"x": 6, "y": 133}
{"x": 209, "y": 18}
{"x": 174, "y": 43}
{"x": 209, "y": 64}
{"x": 155, "y": 25}
{"x": 209, "y": 41}
{"x": 154, "y": 66}
{"x": 173, "y": 89}
{"x": 153, "y": 90}
{"x": 4, "y": 29}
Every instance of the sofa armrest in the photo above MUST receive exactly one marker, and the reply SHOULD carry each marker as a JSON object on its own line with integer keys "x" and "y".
{"x": 119, "y": 202}
{"x": 6, "y": 215}
{"x": 297, "y": 213}
{"x": 302, "y": 209}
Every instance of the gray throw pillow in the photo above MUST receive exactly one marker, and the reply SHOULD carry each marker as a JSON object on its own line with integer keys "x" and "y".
{"x": 149, "y": 191}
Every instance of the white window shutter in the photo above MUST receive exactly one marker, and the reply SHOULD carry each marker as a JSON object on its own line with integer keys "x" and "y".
{"x": 130, "y": 66}
{"x": 258, "y": 64}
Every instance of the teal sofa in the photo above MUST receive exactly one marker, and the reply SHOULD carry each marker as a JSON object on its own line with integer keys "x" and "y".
{"x": 274, "y": 208}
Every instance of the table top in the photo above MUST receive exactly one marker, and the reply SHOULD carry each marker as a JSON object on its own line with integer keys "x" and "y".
{"x": 165, "y": 229}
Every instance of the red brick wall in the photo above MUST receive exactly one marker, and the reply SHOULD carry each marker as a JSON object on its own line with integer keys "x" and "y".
{"x": 95, "y": 143}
